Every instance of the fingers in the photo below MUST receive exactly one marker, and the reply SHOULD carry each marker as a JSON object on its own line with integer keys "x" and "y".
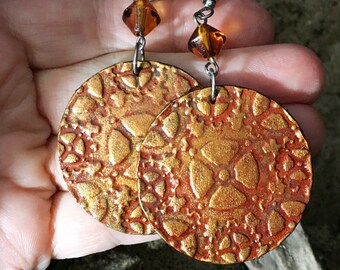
{"x": 24, "y": 228}
{"x": 53, "y": 165}
{"x": 285, "y": 73}
{"x": 78, "y": 234}
{"x": 245, "y": 23}
{"x": 57, "y": 33}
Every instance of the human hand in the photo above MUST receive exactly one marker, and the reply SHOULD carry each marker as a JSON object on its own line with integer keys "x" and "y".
{"x": 49, "y": 48}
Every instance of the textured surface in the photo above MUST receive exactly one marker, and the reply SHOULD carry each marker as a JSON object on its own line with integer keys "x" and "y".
{"x": 316, "y": 24}
{"x": 105, "y": 121}
{"x": 231, "y": 179}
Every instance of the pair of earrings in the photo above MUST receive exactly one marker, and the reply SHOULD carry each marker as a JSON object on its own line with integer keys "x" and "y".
{"x": 222, "y": 174}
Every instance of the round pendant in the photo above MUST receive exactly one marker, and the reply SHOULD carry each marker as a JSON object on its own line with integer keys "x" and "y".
{"x": 104, "y": 123}
{"x": 224, "y": 182}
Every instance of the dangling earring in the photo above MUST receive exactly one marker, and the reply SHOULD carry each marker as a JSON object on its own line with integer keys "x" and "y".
{"x": 225, "y": 172}
{"x": 106, "y": 120}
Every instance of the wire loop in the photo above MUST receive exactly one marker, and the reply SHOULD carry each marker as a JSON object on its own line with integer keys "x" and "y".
{"x": 212, "y": 69}
{"x": 202, "y": 16}
{"x": 139, "y": 54}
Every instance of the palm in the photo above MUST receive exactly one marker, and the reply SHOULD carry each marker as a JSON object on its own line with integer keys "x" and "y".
{"x": 44, "y": 47}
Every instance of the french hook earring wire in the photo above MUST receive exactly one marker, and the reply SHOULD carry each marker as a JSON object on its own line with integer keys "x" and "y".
{"x": 211, "y": 68}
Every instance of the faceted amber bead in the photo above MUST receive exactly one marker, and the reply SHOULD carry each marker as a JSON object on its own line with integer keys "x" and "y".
{"x": 206, "y": 41}
{"x": 141, "y": 17}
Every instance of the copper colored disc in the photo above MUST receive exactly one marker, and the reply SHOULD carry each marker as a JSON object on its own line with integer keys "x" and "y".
{"x": 105, "y": 121}
{"x": 224, "y": 182}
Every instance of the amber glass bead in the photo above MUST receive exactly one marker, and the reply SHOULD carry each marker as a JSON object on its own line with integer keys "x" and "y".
{"x": 141, "y": 17}
{"x": 206, "y": 41}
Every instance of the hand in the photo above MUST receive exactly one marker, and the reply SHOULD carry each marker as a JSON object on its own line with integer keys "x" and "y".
{"x": 49, "y": 48}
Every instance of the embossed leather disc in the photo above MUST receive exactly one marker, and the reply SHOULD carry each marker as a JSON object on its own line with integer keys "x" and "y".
{"x": 105, "y": 121}
{"x": 224, "y": 182}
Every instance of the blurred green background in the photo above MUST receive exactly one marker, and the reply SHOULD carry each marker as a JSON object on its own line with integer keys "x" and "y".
{"x": 315, "y": 24}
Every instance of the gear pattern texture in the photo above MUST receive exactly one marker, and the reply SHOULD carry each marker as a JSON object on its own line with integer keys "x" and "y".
{"x": 102, "y": 128}
{"x": 224, "y": 182}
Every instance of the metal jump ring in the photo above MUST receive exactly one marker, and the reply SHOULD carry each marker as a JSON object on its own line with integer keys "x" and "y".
{"x": 212, "y": 66}
{"x": 139, "y": 52}
{"x": 202, "y": 16}
{"x": 212, "y": 69}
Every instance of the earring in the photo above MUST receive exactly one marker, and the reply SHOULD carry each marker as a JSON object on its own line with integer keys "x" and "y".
{"x": 105, "y": 122}
{"x": 232, "y": 178}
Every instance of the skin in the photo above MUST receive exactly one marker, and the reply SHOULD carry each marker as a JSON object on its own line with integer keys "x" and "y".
{"x": 49, "y": 48}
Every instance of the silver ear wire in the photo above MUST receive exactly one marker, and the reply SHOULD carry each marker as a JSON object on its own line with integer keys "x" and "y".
{"x": 209, "y": 3}
{"x": 211, "y": 68}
